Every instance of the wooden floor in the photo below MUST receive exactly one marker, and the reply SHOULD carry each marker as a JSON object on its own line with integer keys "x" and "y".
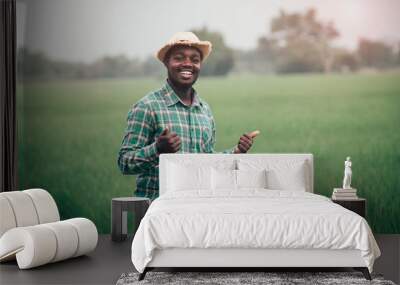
{"x": 111, "y": 259}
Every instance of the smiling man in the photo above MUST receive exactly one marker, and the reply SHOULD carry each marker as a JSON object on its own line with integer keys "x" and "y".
{"x": 171, "y": 119}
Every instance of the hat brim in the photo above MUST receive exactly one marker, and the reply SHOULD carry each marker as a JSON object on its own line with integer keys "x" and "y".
{"x": 204, "y": 46}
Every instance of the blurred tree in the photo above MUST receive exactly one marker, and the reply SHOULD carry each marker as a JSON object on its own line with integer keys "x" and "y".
{"x": 345, "y": 60}
{"x": 376, "y": 54}
{"x": 153, "y": 67}
{"x": 304, "y": 42}
{"x": 298, "y": 56}
{"x": 36, "y": 65}
{"x": 221, "y": 59}
{"x": 398, "y": 54}
{"x": 33, "y": 64}
{"x": 251, "y": 62}
{"x": 115, "y": 66}
{"x": 267, "y": 52}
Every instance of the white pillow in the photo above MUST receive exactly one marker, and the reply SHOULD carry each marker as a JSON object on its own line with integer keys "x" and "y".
{"x": 183, "y": 177}
{"x": 251, "y": 178}
{"x": 281, "y": 174}
{"x": 223, "y": 179}
{"x": 292, "y": 179}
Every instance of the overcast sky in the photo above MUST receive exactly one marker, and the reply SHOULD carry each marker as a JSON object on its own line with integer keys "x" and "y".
{"x": 84, "y": 30}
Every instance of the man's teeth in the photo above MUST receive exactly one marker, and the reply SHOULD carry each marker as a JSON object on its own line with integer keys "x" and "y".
{"x": 186, "y": 72}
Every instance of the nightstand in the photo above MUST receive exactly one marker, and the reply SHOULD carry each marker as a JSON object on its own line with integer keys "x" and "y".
{"x": 356, "y": 205}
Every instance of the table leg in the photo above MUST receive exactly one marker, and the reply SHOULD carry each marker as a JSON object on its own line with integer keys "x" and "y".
{"x": 124, "y": 222}
{"x": 116, "y": 221}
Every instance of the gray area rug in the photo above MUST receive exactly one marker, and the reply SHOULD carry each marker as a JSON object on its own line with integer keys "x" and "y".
{"x": 229, "y": 278}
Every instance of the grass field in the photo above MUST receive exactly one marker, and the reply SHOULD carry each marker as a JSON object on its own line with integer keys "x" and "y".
{"x": 70, "y": 133}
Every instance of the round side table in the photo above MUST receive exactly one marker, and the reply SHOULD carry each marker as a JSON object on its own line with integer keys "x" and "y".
{"x": 119, "y": 212}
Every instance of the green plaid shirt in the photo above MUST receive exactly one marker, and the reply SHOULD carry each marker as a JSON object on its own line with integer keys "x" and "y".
{"x": 147, "y": 119}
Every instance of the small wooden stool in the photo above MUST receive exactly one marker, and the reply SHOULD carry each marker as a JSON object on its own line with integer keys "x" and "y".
{"x": 119, "y": 212}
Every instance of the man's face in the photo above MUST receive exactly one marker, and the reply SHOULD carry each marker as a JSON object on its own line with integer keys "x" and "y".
{"x": 183, "y": 65}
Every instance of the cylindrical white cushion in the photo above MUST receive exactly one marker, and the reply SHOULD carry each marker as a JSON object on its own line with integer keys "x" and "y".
{"x": 34, "y": 245}
{"x": 23, "y": 208}
{"x": 45, "y": 205}
{"x": 52, "y": 242}
{"x": 7, "y": 218}
{"x": 87, "y": 234}
{"x": 67, "y": 240}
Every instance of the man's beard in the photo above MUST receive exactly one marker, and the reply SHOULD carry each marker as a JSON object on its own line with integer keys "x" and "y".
{"x": 180, "y": 85}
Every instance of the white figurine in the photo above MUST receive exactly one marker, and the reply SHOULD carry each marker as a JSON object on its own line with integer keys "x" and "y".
{"x": 347, "y": 174}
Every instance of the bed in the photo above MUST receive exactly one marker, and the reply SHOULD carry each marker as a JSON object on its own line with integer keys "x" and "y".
{"x": 247, "y": 210}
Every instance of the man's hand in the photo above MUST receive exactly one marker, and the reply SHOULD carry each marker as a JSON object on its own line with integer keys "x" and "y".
{"x": 168, "y": 142}
{"x": 245, "y": 142}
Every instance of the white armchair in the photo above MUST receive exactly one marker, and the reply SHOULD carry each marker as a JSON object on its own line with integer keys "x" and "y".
{"x": 31, "y": 230}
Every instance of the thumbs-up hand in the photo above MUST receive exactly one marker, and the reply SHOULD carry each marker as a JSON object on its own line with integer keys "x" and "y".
{"x": 246, "y": 141}
{"x": 168, "y": 142}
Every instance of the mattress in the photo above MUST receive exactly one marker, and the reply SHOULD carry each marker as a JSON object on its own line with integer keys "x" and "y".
{"x": 252, "y": 219}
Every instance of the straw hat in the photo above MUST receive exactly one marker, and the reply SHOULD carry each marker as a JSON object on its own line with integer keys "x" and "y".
{"x": 187, "y": 39}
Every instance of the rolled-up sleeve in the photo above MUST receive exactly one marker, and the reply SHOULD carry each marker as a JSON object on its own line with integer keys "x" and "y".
{"x": 138, "y": 151}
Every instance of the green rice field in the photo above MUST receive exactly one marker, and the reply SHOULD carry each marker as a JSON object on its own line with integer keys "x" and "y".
{"x": 70, "y": 133}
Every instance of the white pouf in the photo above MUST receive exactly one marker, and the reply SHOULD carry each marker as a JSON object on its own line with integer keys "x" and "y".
{"x": 31, "y": 232}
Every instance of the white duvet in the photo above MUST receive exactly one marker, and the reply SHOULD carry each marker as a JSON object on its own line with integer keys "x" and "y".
{"x": 250, "y": 218}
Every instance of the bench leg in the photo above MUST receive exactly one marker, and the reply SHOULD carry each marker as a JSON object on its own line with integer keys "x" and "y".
{"x": 364, "y": 271}
{"x": 143, "y": 274}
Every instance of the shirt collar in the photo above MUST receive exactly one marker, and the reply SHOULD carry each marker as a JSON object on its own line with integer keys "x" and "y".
{"x": 171, "y": 98}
